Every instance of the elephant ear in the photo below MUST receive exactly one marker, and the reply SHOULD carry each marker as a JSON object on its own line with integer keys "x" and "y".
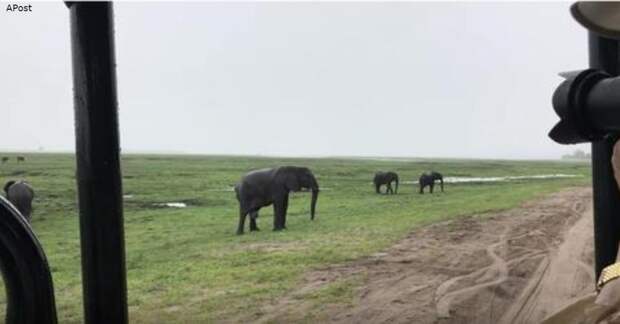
{"x": 291, "y": 181}
{"x": 7, "y": 185}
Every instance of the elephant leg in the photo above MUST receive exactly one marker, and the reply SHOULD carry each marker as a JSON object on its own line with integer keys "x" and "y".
{"x": 253, "y": 217}
{"x": 377, "y": 186}
{"x": 242, "y": 214}
{"x": 432, "y": 185}
{"x": 276, "y": 214}
{"x": 421, "y": 189}
{"x": 278, "y": 209}
{"x": 284, "y": 212}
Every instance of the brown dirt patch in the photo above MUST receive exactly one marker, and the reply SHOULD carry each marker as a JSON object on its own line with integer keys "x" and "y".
{"x": 514, "y": 266}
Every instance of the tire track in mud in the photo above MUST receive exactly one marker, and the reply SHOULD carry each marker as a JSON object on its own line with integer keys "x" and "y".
{"x": 445, "y": 297}
{"x": 565, "y": 274}
{"x": 498, "y": 267}
{"x": 528, "y": 308}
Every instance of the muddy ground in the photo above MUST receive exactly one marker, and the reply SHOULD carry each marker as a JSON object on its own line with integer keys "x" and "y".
{"x": 514, "y": 266}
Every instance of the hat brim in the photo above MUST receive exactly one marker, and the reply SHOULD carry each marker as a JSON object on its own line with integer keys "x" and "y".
{"x": 602, "y": 18}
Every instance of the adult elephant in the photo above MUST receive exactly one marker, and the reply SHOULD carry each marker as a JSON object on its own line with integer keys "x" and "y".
{"x": 428, "y": 179}
{"x": 264, "y": 187}
{"x": 20, "y": 194}
{"x": 385, "y": 178}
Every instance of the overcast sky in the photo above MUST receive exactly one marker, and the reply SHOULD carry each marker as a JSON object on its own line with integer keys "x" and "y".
{"x": 304, "y": 79}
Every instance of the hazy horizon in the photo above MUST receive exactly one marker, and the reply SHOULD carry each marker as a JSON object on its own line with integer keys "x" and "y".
{"x": 415, "y": 80}
{"x": 351, "y": 157}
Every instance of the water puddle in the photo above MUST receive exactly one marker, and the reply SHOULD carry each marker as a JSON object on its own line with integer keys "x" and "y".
{"x": 171, "y": 205}
{"x": 233, "y": 189}
{"x": 223, "y": 190}
{"x": 502, "y": 179}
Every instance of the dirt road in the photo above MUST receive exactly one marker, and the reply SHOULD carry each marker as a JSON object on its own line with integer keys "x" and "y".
{"x": 514, "y": 266}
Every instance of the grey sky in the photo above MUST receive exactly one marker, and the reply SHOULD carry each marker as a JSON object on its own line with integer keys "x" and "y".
{"x": 393, "y": 79}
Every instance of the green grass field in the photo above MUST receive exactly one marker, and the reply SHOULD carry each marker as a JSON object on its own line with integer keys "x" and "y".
{"x": 187, "y": 265}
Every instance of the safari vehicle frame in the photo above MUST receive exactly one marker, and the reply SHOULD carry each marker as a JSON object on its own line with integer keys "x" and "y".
{"x": 27, "y": 277}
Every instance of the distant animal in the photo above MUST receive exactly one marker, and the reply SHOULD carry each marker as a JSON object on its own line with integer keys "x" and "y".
{"x": 5, "y": 159}
{"x": 21, "y": 159}
{"x": 264, "y": 187}
{"x": 428, "y": 179}
{"x": 20, "y": 194}
{"x": 385, "y": 178}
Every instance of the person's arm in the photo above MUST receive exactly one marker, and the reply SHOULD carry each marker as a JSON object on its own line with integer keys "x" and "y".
{"x": 610, "y": 293}
{"x": 604, "y": 307}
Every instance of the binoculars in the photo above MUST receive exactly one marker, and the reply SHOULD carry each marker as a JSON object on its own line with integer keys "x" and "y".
{"x": 587, "y": 103}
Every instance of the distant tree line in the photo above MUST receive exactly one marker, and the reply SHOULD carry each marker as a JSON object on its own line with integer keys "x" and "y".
{"x": 577, "y": 155}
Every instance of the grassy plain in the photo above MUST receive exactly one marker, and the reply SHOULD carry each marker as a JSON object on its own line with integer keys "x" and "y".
{"x": 186, "y": 265}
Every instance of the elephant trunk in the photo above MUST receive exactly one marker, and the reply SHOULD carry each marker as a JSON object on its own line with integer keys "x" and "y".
{"x": 315, "y": 196}
{"x": 396, "y": 189}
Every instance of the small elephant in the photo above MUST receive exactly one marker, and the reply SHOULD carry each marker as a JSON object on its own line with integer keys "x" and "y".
{"x": 21, "y": 159}
{"x": 20, "y": 194}
{"x": 428, "y": 179}
{"x": 386, "y": 178}
{"x": 5, "y": 159}
{"x": 264, "y": 187}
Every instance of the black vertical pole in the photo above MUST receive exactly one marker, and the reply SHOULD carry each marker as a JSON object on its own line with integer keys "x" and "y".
{"x": 98, "y": 165}
{"x": 604, "y": 55}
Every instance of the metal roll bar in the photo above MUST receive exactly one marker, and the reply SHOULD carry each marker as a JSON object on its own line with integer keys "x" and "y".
{"x": 27, "y": 278}
{"x": 98, "y": 163}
